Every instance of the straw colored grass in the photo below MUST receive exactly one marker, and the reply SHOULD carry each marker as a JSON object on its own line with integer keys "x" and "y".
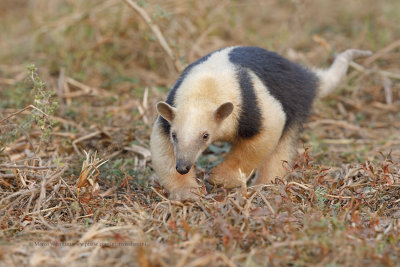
{"x": 87, "y": 195}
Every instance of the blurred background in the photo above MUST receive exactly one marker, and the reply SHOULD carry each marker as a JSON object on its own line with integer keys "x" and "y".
{"x": 104, "y": 42}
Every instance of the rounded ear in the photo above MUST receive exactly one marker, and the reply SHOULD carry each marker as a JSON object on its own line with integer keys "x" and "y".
{"x": 223, "y": 111}
{"x": 166, "y": 111}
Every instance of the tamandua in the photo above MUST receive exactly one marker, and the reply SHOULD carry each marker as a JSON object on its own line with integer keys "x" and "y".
{"x": 250, "y": 97}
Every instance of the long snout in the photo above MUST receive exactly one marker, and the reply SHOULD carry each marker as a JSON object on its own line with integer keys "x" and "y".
{"x": 183, "y": 166}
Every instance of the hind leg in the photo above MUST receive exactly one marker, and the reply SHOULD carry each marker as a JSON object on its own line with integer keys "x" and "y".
{"x": 273, "y": 166}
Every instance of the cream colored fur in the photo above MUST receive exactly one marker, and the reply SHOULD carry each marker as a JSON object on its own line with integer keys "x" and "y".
{"x": 331, "y": 77}
{"x": 208, "y": 86}
{"x": 247, "y": 155}
{"x": 180, "y": 186}
{"x": 284, "y": 153}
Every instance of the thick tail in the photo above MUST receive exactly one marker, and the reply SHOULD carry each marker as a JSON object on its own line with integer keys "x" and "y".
{"x": 330, "y": 78}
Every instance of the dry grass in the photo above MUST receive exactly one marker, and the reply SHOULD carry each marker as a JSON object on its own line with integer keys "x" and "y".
{"x": 106, "y": 65}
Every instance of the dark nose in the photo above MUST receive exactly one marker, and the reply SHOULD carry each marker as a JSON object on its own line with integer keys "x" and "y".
{"x": 183, "y": 167}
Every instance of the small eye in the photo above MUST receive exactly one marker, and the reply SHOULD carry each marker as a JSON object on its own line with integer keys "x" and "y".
{"x": 173, "y": 135}
{"x": 205, "y": 136}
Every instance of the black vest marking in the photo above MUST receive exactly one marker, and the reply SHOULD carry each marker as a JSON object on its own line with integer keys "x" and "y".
{"x": 250, "y": 115}
{"x": 291, "y": 84}
{"x": 171, "y": 95}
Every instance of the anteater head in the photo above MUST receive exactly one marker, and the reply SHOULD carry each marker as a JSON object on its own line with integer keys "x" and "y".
{"x": 193, "y": 129}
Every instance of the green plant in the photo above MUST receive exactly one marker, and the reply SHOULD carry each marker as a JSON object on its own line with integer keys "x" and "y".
{"x": 41, "y": 110}
{"x": 45, "y": 106}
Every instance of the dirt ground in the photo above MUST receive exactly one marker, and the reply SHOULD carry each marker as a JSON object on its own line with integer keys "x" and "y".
{"x": 78, "y": 84}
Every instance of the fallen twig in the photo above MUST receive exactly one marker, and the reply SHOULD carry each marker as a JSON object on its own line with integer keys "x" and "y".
{"x": 267, "y": 203}
{"x": 382, "y": 52}
{"x": 339, "y": 123}
{"x": 86, "y": 90}
{"x": 381, "y": 72}
{"x": 144, "y": 152}
{"x": 195, "y": 240}
{"x": 20, "y": 111}
{"x": 49, "y": 209}
{"x": 156, "y": 30}
{"x": 9, "y": 166}
{"x": 83, "y": 138}
{"x": 292, "y": 244}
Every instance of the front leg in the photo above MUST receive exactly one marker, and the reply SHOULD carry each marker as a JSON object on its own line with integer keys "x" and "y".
{"x": 245, "y": 157}
{"x": 181, "y": 187}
